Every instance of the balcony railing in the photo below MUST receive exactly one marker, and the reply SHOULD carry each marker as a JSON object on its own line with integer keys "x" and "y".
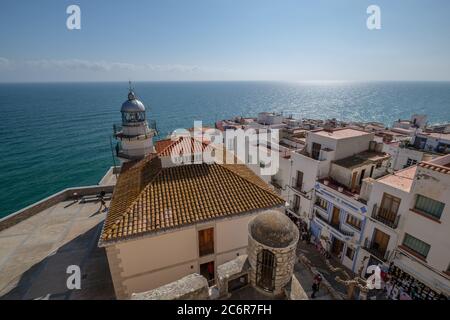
{"x": 276, "y": 183}
{"x": 293, "y": 207}
{"x": 298, "y": 186}
{"x": 386, "y": 217}
{"x": 375, "y": 249}
{"x": 118, "y": 127}
{"x": 335, "y": 226}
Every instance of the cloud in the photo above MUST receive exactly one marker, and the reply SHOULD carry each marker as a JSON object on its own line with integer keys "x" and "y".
{"x": 103, "y": 66}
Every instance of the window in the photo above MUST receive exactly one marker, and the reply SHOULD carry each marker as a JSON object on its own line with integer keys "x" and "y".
{"x": 389, "y": 207}
{"x": 410, "y": 162}
{"x": 206, "y": 242}
{"x": 296, "y": 204}
{"x": 321, "y": 203}
{"x": 416, "y": 245}
{"x": 429, "y": 206}
{"x": 298, "y": 183}
{"x": 354, "y": 222}
{"x": 350, "y": 253}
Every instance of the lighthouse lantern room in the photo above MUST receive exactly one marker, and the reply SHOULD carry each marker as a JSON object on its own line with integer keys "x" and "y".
{"x": 134, "y": 136}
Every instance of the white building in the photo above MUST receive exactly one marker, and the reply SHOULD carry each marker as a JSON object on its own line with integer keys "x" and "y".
{"x": 408, "y": 230}
{"x": 171, "y": 219}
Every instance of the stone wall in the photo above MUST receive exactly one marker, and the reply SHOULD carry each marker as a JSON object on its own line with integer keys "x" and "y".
{"x": 48, "y": 202}
{"x": 191, "y": 287}
{"x": 285, "y": 259}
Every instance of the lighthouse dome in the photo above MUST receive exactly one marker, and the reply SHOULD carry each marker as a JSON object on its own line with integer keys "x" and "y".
{"x": 132, "y": 104}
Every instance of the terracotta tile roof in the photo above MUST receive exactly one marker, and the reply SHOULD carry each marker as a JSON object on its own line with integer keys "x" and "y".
{"x": 182, "y": 195}
{"x": 162, "y": 144}
{"x": 165, "y": 148}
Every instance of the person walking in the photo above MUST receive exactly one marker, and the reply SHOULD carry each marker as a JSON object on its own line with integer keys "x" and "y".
{"x": 316, "y": 285}
{"x": 102, "y": 201}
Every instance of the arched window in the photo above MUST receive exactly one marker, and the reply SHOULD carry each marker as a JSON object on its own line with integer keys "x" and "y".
{"x": 265, "y": 270}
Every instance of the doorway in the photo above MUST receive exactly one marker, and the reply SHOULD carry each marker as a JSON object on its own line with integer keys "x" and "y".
{"x": 335, "y": 218}
{"x": 265, "y": 270}
{"x": 337, "y": 247}
{"x": 207, "y": 270}
{"x": 363, "y": 172}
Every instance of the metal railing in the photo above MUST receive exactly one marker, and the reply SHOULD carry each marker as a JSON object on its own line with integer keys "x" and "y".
{"x": 118, "y": 127}
{"x": 334, "y": 226}
{"x": 297, "y": 186}
{"x": 375, "y": 249}
{"x": 386, "y": 217}
{"x": 276, "y": 183}
{"x": 294, "y": 207}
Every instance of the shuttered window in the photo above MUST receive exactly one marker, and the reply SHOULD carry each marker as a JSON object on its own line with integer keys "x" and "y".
{"x": 416, "y": 245}
{"x": 429, "y": 206}
{"x": 354, "y": 222}
{"x": 206, "y": 242}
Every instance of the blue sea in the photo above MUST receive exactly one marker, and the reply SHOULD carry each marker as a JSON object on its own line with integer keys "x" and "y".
{"x": 57, "y": 135}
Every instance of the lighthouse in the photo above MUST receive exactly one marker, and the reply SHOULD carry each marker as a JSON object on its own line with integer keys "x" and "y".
{"x": 134, "y": 136}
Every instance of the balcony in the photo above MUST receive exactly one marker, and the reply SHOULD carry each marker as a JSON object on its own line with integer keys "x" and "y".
{"x": 337, "y": 227}
{"x": 386, "y": 217}
{"x": 294, "y": 208}
{"x": 118, "y": 129}
{"x": 276, "y": 183}
{"x": 297, "y": 186}
{"x": 374, "y": 248}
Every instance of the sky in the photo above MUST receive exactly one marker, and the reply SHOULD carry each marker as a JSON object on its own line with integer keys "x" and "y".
{"x": 179, "y": 40}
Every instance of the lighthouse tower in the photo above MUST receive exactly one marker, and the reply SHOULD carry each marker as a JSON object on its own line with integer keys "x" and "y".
{"x": 134, "y": 135}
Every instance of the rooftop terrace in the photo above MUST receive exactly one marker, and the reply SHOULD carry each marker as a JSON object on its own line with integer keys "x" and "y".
{"x": 35, "y": 254}
{"x": 402, "y": 179}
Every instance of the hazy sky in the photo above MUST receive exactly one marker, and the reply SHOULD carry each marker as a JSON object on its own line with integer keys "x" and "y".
{"x": 293, "y": 40}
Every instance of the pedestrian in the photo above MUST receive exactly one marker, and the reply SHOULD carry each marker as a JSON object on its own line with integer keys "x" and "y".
{"x": 316, "y": 285}
{"x": 102, "y": 201}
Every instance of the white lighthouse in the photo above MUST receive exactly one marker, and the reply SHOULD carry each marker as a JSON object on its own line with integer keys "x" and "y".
{"x": 134, "y": 135}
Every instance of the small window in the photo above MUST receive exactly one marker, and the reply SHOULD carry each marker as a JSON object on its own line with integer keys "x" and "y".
{"x": 206, "y": 242}
{"x": 410, "y": 162}
{"x": 350, "y": 253}
{"x": 429, "y": 206}
{"x": 416, "y": 245}
{"x": 354, "y": 222}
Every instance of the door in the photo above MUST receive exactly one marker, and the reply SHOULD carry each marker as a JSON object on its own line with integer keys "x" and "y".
{"x": 353, "y": 185}
{"x": 316, "y": 150}
{"x": 265, "y": 270}
{"x": 207, "y": 270}
{"x": 363, "y": 172}
{"x": 296, "y": 203}
{"x": 337, "y": 247}
{"x": 299, "y": 181}
{"x": 335, "y": 220}
{"x": 380, "y": 241}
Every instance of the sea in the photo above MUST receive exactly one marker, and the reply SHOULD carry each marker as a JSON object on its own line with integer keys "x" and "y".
{"x": 58, "y": 135}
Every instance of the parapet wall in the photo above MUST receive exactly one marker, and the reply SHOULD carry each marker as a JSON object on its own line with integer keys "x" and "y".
{"x": 50, "y": 201}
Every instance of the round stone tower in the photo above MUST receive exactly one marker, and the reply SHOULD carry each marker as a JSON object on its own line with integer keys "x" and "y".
{"x": 134, "y": 135}
{"x": 272, "y": 244}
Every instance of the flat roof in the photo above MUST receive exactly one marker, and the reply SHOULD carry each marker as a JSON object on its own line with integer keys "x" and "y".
{"x": 361, "y": 159}
{"x": 342, "y": 133}
{"x": 402, "y": 179}
{"x": 35, "y": 253}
